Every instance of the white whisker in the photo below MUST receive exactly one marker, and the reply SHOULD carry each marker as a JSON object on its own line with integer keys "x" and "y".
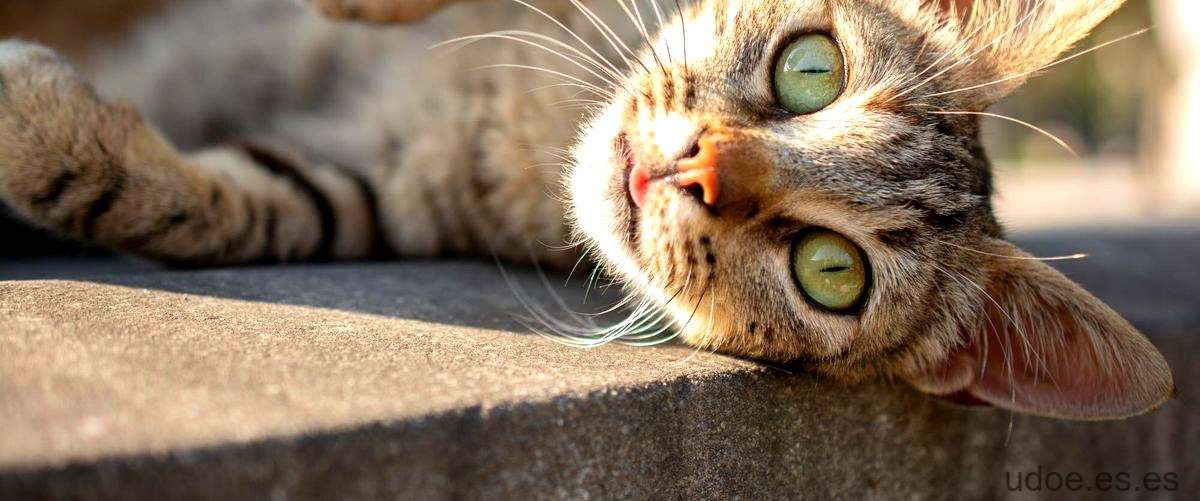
{"x": 564, "y": 56}
{"x": 1032, "y": 127}
{"x": 659, "y": 19}
{"x": 1043, "y": 68}
{"x": 1018, "y": 258}
{"x": 641, "y": 28}
{"x": 610, "y": 35}
{"x": 712, "y": 303}
{"x": 683, "y": 29}
{"x": 583, "y": 83}
{"x": 575, "y": 60}
{"x": 570, "y": 32}
{"x": 962, "y": 43}
{"x": 1036, "y": 8}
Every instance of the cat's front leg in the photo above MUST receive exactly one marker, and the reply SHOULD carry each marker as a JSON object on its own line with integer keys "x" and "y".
{"x": 98, "y": 172}
{"x": 378, "y": 11}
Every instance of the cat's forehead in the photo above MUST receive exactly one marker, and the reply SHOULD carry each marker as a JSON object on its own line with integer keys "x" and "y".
{"x": 731, "y": 25}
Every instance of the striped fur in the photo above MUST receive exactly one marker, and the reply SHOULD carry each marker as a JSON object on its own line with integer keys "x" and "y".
{"x": 376, "y": 146}
{"x": 895, "y": 164}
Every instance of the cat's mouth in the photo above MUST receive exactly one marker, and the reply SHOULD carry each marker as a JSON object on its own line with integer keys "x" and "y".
{"x": 637, "y": 179}
{"x": 632, "y": 202}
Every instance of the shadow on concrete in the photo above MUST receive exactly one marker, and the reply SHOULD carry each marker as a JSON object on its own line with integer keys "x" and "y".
{"x": 1151, "y": 276}
{"x": 472, "y": 293}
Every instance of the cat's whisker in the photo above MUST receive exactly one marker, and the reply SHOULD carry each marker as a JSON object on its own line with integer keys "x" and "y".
{"x": 629, "y": 298}
{"x": 638, "y": 336}
{"x": 644, "y": 317}
{"x": 1012, "y": 317}
{"x": 570, "y": 79}
{"x": 591, "y": 283}
{"x": 563, "y": 84}
{"x": 696, "y": 308}
{"x": 575, "y": 60}
{"x": 638, "y": 339}
{"x": 652, "y": 338}
{"x": 1069, "y": 257}
{"x": 572, "y": 33}
{"x": 959, "y": 45}
{"x": 571, "y": 244}
{"x": 588, "y": 108}
{"x": 703, "y": 343}
{"x": 610, "y": 35}
{"x": 1057, "y": 140}
{"x": 600, "y": 27}
{"x": 578, "y": 101}
{"x": 574, "y": 97}
{"x": 556, "y": 166}
{"x": 987, "y": 318}
{"x": 562, "y": 247}
{"x": 968, "y": 58}
{"x": 565, "y": 57}
{"x": 1040, "y": 69}
{"x": 577, "y": 104}
{"x": 559, "y": 153}
{"x": 683, "y": 29}
{"x": 581, "y": 108}
{"x": 641, "y": 28}
{"x": 621, "y": 303}
{"x": 607, "y": 66}
{"x": 558, "y": 299}
{"x": 538, "y": 313}
{"x": 659, "y": 19}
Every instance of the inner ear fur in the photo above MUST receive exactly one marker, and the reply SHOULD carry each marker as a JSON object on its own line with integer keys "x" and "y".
{"x": 1040, "y": 344}
{"x": 1000, "y": 43}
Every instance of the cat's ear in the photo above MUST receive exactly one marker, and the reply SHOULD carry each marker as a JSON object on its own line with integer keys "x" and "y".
{"x": 996, "y": 45}
{"x": 1040, "y": 344}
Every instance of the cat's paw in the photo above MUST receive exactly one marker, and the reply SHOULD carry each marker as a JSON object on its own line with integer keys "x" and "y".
{"x": 55, "y": 134}
{"x": 29, "y": 76}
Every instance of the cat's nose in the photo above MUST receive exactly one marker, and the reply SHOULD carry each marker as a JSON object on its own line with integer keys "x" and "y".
{"x": 696, "y": 171}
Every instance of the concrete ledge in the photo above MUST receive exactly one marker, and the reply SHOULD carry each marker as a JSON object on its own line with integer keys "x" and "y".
{"x": 412, "y": 380}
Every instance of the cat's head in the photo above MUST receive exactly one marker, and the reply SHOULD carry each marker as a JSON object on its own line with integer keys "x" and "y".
{"x": 802, "y": 181}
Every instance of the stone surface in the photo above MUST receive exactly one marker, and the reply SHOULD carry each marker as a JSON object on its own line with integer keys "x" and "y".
{"x": 414, "y": 380}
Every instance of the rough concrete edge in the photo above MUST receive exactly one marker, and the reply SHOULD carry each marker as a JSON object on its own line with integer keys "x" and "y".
{"x": 127, "y": 476}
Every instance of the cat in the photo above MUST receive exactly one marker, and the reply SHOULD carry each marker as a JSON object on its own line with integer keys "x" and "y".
{"x": 796, "y": 181}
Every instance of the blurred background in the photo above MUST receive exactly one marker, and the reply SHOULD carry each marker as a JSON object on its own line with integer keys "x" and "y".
{"x": 1130, "y": 112}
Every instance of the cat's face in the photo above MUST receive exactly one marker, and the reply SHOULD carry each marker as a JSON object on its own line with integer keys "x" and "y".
{"x": 794, "y": 180}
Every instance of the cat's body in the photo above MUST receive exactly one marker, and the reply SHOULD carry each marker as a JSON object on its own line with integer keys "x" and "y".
{"x": 686, "y": 177}
{"x": 460, "y": 160}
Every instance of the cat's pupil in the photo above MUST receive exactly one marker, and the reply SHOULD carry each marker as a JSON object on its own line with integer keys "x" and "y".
{"x": 829, "y": 269}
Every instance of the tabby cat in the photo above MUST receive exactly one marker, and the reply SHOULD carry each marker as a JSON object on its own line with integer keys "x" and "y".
{"x": 797, "y": 181}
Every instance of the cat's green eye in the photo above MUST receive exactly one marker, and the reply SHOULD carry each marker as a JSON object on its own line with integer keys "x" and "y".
{"x": 809, "y": 74}
{"x": 830, "y": 269}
